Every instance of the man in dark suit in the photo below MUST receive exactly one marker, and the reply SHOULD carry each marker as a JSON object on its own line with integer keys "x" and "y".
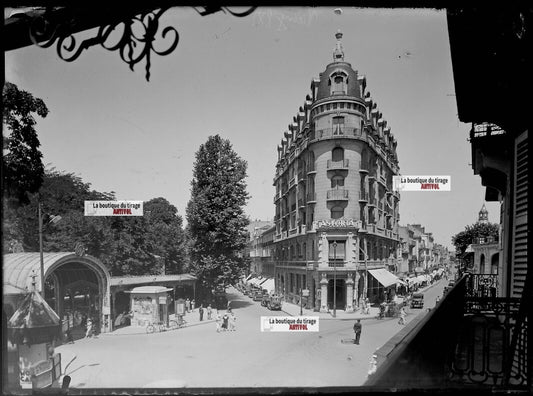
{"x": 357, "y": 329}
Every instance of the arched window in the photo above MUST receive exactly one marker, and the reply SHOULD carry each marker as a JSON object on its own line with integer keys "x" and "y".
{"x": 337, "y": 212}
{"x": 482, "y": 264}
{"x": 494, "y": 263}
{"x": 337, "y": 154}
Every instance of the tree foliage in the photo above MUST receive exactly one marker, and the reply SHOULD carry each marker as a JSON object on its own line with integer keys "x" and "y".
{"x": 143, "y": 245}
{"x": 462, "y": 239}
{"x": 22, "y": 167}
{"x": 215, "y": 214}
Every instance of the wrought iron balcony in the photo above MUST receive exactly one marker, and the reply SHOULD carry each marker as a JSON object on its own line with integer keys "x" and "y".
{"x": 483, "y": 241}
{"x": 336, "y": 132}
{"x": 337, "y": 195}
{"x": 292, "y": 182}
{"x": 335, "y": 165}
{"x": 465, "y": 341}
{"x": 336, "y": 264}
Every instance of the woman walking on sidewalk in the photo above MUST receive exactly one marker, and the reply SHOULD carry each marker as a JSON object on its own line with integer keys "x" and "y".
{"x": 402, "y": 316}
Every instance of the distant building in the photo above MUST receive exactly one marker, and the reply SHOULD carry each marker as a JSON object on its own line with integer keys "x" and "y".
{"x": 260, "y": 247}
{"x": 334, "y": 200}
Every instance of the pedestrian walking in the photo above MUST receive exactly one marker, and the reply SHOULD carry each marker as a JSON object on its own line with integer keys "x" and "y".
{"x": 201, "y": 311}
{"x": 367, "y": 306}
{"x": 218, "y": 321}
{"x": 357, "y": 329}
{"x": 225, "y": 320}
{"x": 229, "y": 306}
{"x": 403, "y": 314}
{"x": 209, "y": 312}
{"x": 89, "y": 332}
{"x": 187, "y": 305}
{"x": 193, "y": 304}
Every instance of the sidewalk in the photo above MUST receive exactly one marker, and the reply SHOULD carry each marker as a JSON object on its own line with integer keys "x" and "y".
{"x": 192, "y": 319}
{"x": 294, "y": 310}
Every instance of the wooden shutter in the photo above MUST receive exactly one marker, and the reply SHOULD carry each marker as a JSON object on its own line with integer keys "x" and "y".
{"x": 519, "y": 261}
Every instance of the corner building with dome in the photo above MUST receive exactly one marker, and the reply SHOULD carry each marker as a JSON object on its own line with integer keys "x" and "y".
{"x": 336, "y": 213}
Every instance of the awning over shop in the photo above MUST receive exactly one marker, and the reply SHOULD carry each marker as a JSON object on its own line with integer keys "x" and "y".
{"x": 268, "y": 285}
{"x": 384, "y": 277}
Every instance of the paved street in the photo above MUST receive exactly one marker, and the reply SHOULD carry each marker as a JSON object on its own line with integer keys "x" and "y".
{"x": 198, "y": 356}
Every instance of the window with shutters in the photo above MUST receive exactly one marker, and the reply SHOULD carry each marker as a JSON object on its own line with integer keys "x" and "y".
{"x": 519, "y": 240}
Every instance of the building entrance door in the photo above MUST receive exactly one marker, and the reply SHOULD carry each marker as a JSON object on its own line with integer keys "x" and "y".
{"x": 340, "y": 290}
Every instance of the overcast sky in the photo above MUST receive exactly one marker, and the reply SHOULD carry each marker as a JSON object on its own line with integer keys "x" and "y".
{"x": 245, "y": 78}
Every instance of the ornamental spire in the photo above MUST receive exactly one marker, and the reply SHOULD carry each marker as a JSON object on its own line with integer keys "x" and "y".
{"x": 338, "y": 53}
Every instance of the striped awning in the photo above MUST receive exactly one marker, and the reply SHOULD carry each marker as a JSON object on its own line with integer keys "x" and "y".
{"x": 385, "y": 277}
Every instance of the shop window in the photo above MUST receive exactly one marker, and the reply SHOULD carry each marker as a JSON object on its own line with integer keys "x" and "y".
{"x": 341, "y": 105}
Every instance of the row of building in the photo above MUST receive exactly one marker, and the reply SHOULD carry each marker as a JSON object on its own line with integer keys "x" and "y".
{"x": 335, "y": 231}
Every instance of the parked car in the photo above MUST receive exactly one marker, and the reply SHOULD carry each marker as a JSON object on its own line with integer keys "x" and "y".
{"x": 258, "y": 295}
{"x": 274, "y": 302}
{"x": 417, "y": 301}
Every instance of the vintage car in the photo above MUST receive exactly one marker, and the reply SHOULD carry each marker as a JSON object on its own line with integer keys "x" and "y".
{"x": 417, "y": 301}
{"x": 274, "y": 302}
{"x": 258, "y": 295}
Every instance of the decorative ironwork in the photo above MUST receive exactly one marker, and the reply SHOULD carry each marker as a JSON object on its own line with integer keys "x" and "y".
{"x": 133, "y": 38}
{"x": 483, "y": 351}
{"x": 482, "y": 285}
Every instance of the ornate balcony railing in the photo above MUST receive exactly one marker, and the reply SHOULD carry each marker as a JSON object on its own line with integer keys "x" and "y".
{"x": 336, "y": 264}
{"x": 464, "y": 341}
{"x": 482, "y": 285}
{"x": 337, "y": 195}
{"x": 333, "y": 165}
{"x": 483, "y": 241}
{"x": 292, "y": 182}
{"x": 336, "y": 132}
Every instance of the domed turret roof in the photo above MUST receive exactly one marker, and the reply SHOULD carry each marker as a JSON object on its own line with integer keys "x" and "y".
{"x": 338, "y": 68}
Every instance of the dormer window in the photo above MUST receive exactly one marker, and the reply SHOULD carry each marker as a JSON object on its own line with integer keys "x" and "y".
{"x": 338, "y": 82}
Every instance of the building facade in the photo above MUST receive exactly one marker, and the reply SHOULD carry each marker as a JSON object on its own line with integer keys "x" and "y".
{"x": 260, "y": 249}
{"x": 336, "y": 213}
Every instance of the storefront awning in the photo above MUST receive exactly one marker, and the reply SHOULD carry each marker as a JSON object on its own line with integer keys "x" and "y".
{"x": 268, "y": 285}
{"x": 384, "y": 277}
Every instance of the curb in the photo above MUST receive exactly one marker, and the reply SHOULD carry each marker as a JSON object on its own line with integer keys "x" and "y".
{"x": 332, "y": 318}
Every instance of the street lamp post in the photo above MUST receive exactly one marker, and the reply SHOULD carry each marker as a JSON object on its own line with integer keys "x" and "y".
{"x": 365, "y": 279}
{"x": 334, "y": 279}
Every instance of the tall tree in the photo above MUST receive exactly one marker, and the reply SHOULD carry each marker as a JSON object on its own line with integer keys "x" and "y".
{"x": 215, "y": 214}
{"x": 22, "y": 167}
{"x": 462, "y": 239}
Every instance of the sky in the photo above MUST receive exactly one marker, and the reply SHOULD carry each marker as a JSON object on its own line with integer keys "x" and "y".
{"x": 244, "y": 79}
